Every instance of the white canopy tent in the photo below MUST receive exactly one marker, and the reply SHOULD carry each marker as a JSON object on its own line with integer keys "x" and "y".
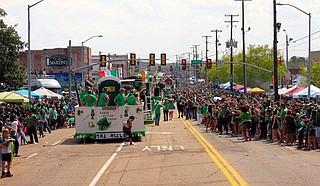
{"x": 285, "y": 90}
{"x": 314, "y": 91}
{"x": 48, "y": 93}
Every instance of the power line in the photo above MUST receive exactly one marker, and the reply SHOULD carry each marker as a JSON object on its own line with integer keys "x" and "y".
{"x": 304, "y": 42}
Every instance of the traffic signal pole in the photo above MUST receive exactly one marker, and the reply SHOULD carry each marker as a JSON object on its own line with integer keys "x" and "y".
{"x": 206, "y": 67}
{"x": 275, "y": 52}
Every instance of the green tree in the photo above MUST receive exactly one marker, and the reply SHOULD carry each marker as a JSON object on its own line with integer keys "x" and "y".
{"x": 261, "y": 56}
{"x": 12, "y": 72}
{"x": 296, "y": 62}
{"x": 315, "y": 71}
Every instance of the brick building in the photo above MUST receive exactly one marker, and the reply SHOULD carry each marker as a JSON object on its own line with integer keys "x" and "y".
{"x": 315, "y": 56}
{"x": 55, "y": 62}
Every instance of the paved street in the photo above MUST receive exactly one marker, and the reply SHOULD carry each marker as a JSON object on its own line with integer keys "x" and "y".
{"x": 174, "y": 153}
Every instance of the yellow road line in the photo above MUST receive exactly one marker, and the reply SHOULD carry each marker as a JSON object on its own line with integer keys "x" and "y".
{"x": 213, "y": 157}
{"x": 223, "y": 165}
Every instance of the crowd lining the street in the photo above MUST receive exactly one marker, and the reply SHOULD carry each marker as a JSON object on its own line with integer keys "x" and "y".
{"x": 255, "y": 117}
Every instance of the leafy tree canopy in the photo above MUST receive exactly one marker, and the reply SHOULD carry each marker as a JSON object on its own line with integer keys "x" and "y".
{"x": 12, "y": 72}
{"x": 261, "y": 56}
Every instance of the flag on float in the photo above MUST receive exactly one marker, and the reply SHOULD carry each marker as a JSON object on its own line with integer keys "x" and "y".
{"x": 104, "y": 73}
{"x": 145, "y": 76}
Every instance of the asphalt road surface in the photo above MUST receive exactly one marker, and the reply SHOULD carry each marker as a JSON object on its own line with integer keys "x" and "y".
{"x": 174, "y": 153}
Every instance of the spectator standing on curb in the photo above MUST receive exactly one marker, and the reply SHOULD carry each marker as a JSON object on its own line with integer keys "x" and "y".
{"x": 31, "y": 123}
{"x": 14, "y": 134}
{"x": 171, "y": 109}
{"x": 165, "y": 109}
{"x": 53, "y": 114}
{"x": 6, "y": 153}
{"x": 157, "y": 112}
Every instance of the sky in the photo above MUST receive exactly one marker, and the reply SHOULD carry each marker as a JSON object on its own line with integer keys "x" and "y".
{"x": 162, "y": 26}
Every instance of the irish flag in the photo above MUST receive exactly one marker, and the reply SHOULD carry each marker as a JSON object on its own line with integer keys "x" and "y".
{"x": 104, "y": 73}
{"x": 145, "y": 76}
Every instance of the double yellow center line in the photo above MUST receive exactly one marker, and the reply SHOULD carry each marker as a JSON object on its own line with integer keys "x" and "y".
{"x": 231, "y": 174}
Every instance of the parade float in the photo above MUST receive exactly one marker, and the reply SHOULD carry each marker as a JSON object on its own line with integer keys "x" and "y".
{"x": 107, "y": 122}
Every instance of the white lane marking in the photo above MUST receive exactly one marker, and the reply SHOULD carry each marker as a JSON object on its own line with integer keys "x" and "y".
{"x": 56, "y": 143}
{"x": 105, "y": 166}
{"x": 290, "y": 148}
{"x": 32, "y": 155}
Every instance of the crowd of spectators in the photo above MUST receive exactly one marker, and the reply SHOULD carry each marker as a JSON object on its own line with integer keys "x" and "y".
{"x": 289, "y": 121}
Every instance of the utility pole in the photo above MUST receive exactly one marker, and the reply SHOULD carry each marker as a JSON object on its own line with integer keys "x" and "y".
{"x": 244, "y": 50}
{"x": 195, "y": 67}
{"x": 206, "y": 69}
{"x": 275, "y": 51}
{"x": 288, "y": 40}
{"x": 230, "y": 45}
{"x": 69, "y": 65}
{"x": 217, "y": 58}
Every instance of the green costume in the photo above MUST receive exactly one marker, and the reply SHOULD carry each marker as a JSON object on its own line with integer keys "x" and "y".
{"x": 103, "y": 101}
{"x": 90, "y": 100}
{"x": 120, "y": 99}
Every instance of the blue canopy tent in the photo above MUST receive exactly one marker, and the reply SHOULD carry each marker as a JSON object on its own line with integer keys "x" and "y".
{"x": 24, "y": 93}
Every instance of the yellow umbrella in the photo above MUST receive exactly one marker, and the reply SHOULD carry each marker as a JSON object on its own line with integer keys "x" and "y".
{"x": 12, "y": 97}
{"x": 257, "y": 90}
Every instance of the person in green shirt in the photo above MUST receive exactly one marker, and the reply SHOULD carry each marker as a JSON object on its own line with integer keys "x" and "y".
{"x": 53, "y": 115}
{"x": 165, "y": 109}
{"x": 246, "y": 122}
{"x": 90, "y": 100}
{"x": 83, "y": 92}
{"x": 132, "y": 99}
{"x": 157, "y": 112}
{"x": 104, "y": 99}
{"x": 31, "y": 125}
{"x": 120, "y": 99}
{"x": 171, "y": 110}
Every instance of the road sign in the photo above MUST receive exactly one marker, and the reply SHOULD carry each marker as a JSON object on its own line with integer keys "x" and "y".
{"x": 196, "y": 62}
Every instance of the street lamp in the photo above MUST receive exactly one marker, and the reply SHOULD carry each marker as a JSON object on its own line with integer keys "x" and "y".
{"x": 29, "y": 51}
{"x": 83, "y": 82}
{"x": 309, "y": 49}
{"x": 288, "y": 40}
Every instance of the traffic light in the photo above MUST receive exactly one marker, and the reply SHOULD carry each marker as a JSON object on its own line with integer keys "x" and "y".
{"x": 279, "y": 61}
{"x": 103, "y": 60}
{"x": 152, "y": 60}
{"x": 209, "y": 63}
{"x": 184, "y": 64}
{"x": 159, "y": 68}
{"x": 273, "y": 80}
{"x": 171, "y": 68}
{"x": 163, "y": 59}
{"x": 132, "y": 59}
